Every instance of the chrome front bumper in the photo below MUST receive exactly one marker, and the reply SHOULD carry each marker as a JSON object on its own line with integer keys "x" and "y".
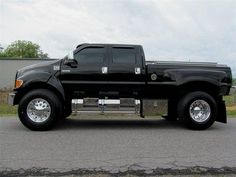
{"x": 11, "y": 97}
{"x": 232, "y": 90}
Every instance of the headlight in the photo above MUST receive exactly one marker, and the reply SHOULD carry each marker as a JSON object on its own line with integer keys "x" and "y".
{"x": 18, "y": 83}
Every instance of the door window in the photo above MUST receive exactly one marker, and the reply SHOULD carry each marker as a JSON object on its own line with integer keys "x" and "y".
{"x": 90, "y": 55}
{"x": 123, "y": 55}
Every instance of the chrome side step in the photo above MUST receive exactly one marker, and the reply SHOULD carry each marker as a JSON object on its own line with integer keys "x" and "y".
{"x": 103, "y": 106}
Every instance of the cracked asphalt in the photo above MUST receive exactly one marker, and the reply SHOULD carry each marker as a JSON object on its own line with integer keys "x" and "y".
{"x": 132, "y": 146}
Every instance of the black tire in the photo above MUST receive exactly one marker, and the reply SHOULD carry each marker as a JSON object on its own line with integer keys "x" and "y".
{"x": 184, "y": 110}
{"x": 54, "y": 115}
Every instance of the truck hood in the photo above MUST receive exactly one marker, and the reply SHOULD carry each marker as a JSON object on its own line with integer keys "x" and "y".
{"x": 45, "y": 66}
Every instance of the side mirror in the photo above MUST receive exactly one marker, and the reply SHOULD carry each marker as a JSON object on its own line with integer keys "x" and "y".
{"x": 71, "y": 63}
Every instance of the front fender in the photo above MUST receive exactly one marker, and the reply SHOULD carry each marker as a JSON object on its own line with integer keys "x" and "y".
{"x": 54, "y": 82}
{"x": 34, "y": 80}
{"x": 34, "y": 77}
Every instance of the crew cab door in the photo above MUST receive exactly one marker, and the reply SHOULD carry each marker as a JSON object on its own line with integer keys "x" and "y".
{"x": 90, "y": 74}
{"x": 126, "y": 72}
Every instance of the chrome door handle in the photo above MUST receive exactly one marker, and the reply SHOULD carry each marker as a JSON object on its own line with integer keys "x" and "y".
{"x": 104, "y": 70}
{"x": 137, "y": 71}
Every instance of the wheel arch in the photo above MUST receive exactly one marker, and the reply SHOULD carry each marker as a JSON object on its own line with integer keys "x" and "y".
{"x": 39, "y": 85}
{"x": 204, "y": 86}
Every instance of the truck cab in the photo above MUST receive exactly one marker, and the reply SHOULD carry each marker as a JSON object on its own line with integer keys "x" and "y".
{"x": 104, "y": 70}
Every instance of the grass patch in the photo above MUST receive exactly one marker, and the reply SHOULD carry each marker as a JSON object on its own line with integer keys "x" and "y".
{"x": 231, "y": 105}
{"x": 5, "y": 109}
{"x": 230, "y": 100}
{"x": 231, "y": 110}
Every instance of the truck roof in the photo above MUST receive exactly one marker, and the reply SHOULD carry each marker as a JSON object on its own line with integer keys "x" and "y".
{"x": 116, "y": 45}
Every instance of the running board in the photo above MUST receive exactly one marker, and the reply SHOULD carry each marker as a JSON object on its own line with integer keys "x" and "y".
{"x": 103, "y": 106}
{"x": 120, "y": 106}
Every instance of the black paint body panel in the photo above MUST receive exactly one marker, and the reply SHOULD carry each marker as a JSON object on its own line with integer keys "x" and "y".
{"x": 87, "y": 80}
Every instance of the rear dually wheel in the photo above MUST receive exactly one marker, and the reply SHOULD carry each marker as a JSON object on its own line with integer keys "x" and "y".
{"x": 198, "y": 110}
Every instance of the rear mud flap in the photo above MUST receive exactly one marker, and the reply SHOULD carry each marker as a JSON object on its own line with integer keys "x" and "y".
{"x": 222, "y": 116}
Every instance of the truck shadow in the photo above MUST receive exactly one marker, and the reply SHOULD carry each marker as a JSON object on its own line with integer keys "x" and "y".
{"x": 118, "y": 124}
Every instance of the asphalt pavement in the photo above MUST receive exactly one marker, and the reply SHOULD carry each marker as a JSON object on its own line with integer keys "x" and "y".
{"x": 111, "y": 146}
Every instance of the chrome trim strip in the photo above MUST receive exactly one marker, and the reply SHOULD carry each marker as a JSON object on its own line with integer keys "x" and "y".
{"x": 102, "y": 82}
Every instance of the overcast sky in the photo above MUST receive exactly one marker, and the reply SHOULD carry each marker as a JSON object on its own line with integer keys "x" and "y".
{"x": 195, "y": 30}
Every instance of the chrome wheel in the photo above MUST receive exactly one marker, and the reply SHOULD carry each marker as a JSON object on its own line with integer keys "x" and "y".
{"x": 38, "y": 110}
{"x": 200, "y": 111}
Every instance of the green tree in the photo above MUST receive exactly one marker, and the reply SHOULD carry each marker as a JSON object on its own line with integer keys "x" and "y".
{"x": 23, "y": 49}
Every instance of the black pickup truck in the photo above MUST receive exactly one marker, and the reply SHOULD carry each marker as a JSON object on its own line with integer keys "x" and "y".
{"x": 194, "y": 90}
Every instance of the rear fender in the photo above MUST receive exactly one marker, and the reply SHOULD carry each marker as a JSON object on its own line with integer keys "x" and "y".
{"x": 183, "y": 76}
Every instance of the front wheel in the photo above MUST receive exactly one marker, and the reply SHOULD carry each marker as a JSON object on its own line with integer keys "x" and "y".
{"x": 39, "y": 109}
{"x": 198, "y": 110}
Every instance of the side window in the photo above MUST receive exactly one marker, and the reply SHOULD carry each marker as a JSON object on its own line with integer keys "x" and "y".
{"x": 90, "y": 55}
{"x": 123, "y": 55}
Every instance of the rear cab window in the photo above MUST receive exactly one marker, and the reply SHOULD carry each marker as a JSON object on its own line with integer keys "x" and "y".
{"x": 123, "y": 55}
